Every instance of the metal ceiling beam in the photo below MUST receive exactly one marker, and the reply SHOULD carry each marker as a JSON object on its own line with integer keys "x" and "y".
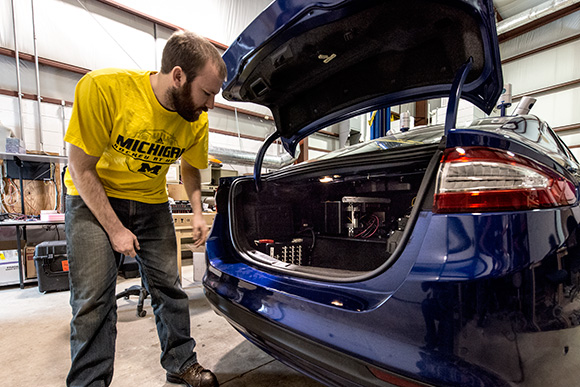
{"x": 242, "y": 157}
{"x": 535, "y": 17}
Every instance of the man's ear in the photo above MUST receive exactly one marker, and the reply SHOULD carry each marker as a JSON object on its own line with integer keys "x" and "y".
{"x": 177, "y": 77}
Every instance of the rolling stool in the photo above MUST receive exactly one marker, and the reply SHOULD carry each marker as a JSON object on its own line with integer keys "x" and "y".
{"x": 135, "y": 290}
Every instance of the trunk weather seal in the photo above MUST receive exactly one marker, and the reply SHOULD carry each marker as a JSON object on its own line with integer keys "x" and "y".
{"x": 455, "y": 95}
{"x": 371, "y": 159}
{"x": 421, "y": 197}
{"x": 260, "y": 159}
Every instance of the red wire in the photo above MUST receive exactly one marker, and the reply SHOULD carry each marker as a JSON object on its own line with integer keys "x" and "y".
{"x": 374, "y": 219}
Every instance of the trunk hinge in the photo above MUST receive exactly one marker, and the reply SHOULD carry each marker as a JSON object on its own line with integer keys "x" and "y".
{"x": 455, "y": 95}
{"x": 260, "y": 159}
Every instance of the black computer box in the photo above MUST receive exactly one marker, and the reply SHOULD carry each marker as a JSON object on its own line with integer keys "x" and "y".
{"x": 181, "y": 206}
{"x": 295, "y": 251}
{"x": 51, "y": 263}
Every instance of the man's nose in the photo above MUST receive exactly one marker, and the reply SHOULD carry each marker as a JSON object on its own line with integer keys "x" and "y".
{"x": 209, "y": 104}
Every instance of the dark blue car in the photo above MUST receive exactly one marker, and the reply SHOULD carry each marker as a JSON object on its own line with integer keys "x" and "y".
{"x": 444, "y": 255}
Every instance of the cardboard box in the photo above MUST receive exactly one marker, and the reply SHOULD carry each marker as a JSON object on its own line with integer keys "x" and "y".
{"x": 9, "y": 267}
{"x": 182, "y": 219}
{"x": 30, "y": 265}
{"x": 209, "y": 217}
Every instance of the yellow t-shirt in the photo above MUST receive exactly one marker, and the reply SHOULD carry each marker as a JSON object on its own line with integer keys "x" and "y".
{"x": 117, "y": 117}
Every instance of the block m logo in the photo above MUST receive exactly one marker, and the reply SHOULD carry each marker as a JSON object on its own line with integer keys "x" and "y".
{"x": 146, "y": 168}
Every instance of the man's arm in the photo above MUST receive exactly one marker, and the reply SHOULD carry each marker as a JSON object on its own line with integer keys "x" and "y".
{"x": 82, "y": 169}
{"x": 192, "y": 185}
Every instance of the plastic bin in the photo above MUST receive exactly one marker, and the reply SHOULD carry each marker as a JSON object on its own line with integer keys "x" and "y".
{"x": 51, "y": 266}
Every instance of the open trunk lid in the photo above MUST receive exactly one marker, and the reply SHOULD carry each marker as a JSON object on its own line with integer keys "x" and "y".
{"x": 315, "y": 63}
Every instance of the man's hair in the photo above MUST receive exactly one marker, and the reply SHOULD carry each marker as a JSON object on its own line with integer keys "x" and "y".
{"x": 191, "y": 52}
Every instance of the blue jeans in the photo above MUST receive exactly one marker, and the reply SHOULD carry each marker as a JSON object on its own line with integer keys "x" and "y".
{"x": 93, "y": 275}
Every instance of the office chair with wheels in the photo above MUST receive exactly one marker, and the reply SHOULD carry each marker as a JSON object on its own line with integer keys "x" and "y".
{"x": 135, "y": 290}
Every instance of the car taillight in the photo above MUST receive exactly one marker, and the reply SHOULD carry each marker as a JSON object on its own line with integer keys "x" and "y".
{"x": 477, "y": 179}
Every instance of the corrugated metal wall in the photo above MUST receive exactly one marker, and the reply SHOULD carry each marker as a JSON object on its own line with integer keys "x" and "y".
{"x": 91, "y": 34}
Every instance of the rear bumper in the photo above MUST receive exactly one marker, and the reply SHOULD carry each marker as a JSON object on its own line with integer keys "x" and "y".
{"x": 329, "y": 366}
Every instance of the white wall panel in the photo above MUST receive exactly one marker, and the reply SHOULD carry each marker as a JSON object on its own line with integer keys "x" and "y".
{"x": 511, "y": 8}
{"x": 161, "y": 35}
{"x": 558, "y": 109}
{"x": 52, "y": 123}
{"x": 95, "y": 37}
{"x": 312, "y": 154}
{"x": 56, "y": 83}
{"x": 547, "y": 68}
{"x": 9, "y": 112}
{"x": 220, "y": 20}
{"x": 52, "y": 128}
{"x": 247, "y": 124}
{"x": 23, "y": 15}
{"x": 8, "y": 78}
{"x": 245, "y": 105}
{"x": 323, "y": 142}
{"x": 571, "y": 137}
{"x": 99, "y": 37}
{"x": 550, "y": 33}
{"x": 30, "y": 124}
{"x": 6, "y": 34}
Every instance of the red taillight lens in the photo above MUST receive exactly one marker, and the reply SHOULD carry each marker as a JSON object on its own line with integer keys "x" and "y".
{"x": 395, "y": 379}
{"x": 475, "y": 179}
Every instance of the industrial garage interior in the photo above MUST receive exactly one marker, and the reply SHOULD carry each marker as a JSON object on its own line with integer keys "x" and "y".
{"x": 46, "y": 46}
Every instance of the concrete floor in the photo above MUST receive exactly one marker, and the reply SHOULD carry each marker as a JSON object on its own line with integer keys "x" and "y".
{"x": 34, "y": 342}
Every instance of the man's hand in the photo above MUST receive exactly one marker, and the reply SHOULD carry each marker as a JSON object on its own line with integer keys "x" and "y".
{"x": 82, "y": 168}
{"x": 199, "y": 230}
{"x": 124, "y": 242}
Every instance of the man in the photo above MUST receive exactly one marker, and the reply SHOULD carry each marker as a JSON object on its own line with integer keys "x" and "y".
{"x": 126, "y": 129}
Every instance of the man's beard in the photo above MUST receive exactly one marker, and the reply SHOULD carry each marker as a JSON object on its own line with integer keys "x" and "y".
{"x": 183, "y": 102}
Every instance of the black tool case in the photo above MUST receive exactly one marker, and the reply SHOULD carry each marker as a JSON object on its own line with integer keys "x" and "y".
{"x": 51, "y": 266}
